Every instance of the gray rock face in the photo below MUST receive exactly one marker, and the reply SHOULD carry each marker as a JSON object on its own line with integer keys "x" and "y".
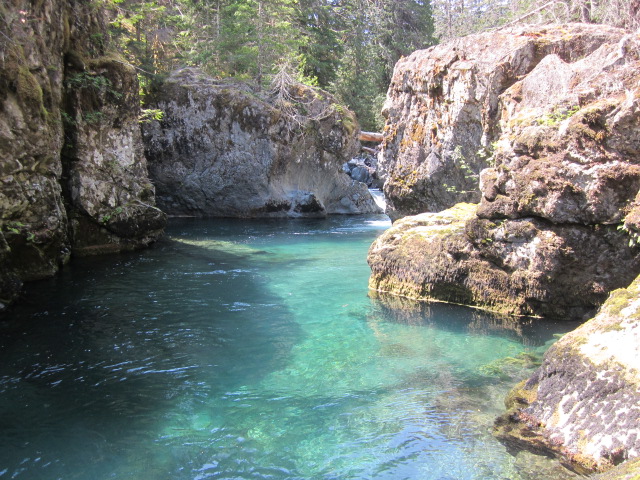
{"x": 583, "y": 403}
{"x": 445, "y": 107}
{"x": 222, "y": 150}
{"x": 111, "y": 200}
{"x": 547, "y": 238}
{"x": 363, "y": 169}
{"x": 55, "y": 96}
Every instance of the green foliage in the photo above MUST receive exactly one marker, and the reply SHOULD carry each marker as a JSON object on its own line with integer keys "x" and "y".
{"x": 93, "y": 118}
{"x": 67, "y": 119}
{"x": 87, "y": 80}
{"x": 558, "y": 116}
{"x": 107, "y": 217}
{"x": 96, "y": 83}
{"x": 634, "y": 236}
{"x": 346, "y": 46}
{"x": 19, "y": 228}
{"x": 148, "y": 115}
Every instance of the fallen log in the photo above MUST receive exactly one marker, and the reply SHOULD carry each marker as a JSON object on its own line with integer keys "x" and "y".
{"x": 370, "y": 137}
{"x": 372, "y": 151}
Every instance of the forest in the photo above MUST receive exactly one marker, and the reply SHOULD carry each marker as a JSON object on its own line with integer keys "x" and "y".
{"x": 348, "y": 47}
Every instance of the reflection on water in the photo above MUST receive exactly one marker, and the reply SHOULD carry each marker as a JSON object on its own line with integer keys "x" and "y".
{"x": 238, "y": 349}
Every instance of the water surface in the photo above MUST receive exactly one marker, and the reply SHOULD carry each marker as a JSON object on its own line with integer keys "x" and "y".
{"x": 251, "y": 349}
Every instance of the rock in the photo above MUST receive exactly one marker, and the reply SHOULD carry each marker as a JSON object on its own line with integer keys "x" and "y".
{"x": 60, "y": 90}
{"x": 112, "y": 201}
{"x": 361, "y": 174}
{"x": 518, "y": 267}
{"x": 557, "y": 224}
{"x": 445, "y": 106}
{"x": 583, "y": 403}
{"x": 627, "y": 471}
{"x": 223, "y": 149}
{"x": 363, "y": 169}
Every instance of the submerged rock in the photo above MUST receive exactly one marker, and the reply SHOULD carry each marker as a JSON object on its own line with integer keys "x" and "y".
{"x": 583, "y": 403}
{"x": 557, "y": 223}
{"x": 223, "y": 149}
{"x": 60, "y": 90}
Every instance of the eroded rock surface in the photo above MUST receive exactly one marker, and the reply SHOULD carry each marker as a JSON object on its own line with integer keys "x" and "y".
{"x": 557, "y": 223}
{"x": 446, "y": 105}
{"x": 225, "y": 150}
{"x": 583, "y": 403}
{"x": 59, "y": 90}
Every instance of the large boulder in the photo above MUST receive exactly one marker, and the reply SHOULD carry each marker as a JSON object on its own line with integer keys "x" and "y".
{"x": 224, "y": 149}
{"x": 583, "y": 403}
{"x": 444, "y": 108}
{"x": 518, "y": 267}
{"x": 558, "y": 221}
{"x": 59, "y": 90}
{"x": 111, "y": 200}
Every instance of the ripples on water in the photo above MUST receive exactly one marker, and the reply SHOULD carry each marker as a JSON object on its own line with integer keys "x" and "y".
{"x": 237, "y": 349}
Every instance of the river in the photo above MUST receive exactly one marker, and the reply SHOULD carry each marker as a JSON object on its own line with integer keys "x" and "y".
{"x": 252, "y": 350}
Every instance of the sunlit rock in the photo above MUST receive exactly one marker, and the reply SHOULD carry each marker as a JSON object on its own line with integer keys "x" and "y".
{"x": 583, "y": 403}
{"x": 223, "y": 149}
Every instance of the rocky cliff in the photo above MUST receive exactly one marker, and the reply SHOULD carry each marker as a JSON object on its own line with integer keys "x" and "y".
{"x": 225, "y": 149}
{"x": 555, "y": 110}
{"x": 446, "y": 105}
{"x": 556, "y": 227}
{"x": 73, "y": 175}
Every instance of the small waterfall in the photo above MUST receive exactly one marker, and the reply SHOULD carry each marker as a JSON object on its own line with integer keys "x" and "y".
{"x": 378, "y": 196}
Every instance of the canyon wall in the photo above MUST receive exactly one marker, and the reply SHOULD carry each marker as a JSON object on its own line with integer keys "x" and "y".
{"x": 556, "y": 226}
{"x": 445, "y": 107}
{"x": 540, "y": 128}
{"x": 73, "y": 176}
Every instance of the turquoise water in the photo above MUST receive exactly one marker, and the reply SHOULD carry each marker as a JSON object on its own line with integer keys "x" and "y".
{"x": 251, "y": 350}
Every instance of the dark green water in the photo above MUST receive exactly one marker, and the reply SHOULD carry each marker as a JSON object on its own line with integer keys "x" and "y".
{"x": 238, "y": 349}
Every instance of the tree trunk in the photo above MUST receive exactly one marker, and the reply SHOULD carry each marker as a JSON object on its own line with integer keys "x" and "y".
{"x": 585, "y": 11}
{"x": 260, "y": 44}
{"x": 370, "y": 137}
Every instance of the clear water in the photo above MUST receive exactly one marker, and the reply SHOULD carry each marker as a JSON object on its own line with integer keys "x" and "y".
{"x": 251, "y": 350}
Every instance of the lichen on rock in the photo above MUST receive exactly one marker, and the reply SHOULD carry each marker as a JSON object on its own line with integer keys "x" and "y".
{"x": 446, "y": 108}
{"x": 557, "y": 224}
{"x": 519, "y": 267}
{"x": 43, "y": 112}
{"x": 583, "y": 403}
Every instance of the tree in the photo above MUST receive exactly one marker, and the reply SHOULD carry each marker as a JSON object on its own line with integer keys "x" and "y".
{"x": 377, "y": 33}
{"x": 403, "y": 27}
{"x": 321, "y": 48}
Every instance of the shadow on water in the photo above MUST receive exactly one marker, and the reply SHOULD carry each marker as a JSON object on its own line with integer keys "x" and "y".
{"x": 111, "y": 344}
{"x": 531, "y": 332}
